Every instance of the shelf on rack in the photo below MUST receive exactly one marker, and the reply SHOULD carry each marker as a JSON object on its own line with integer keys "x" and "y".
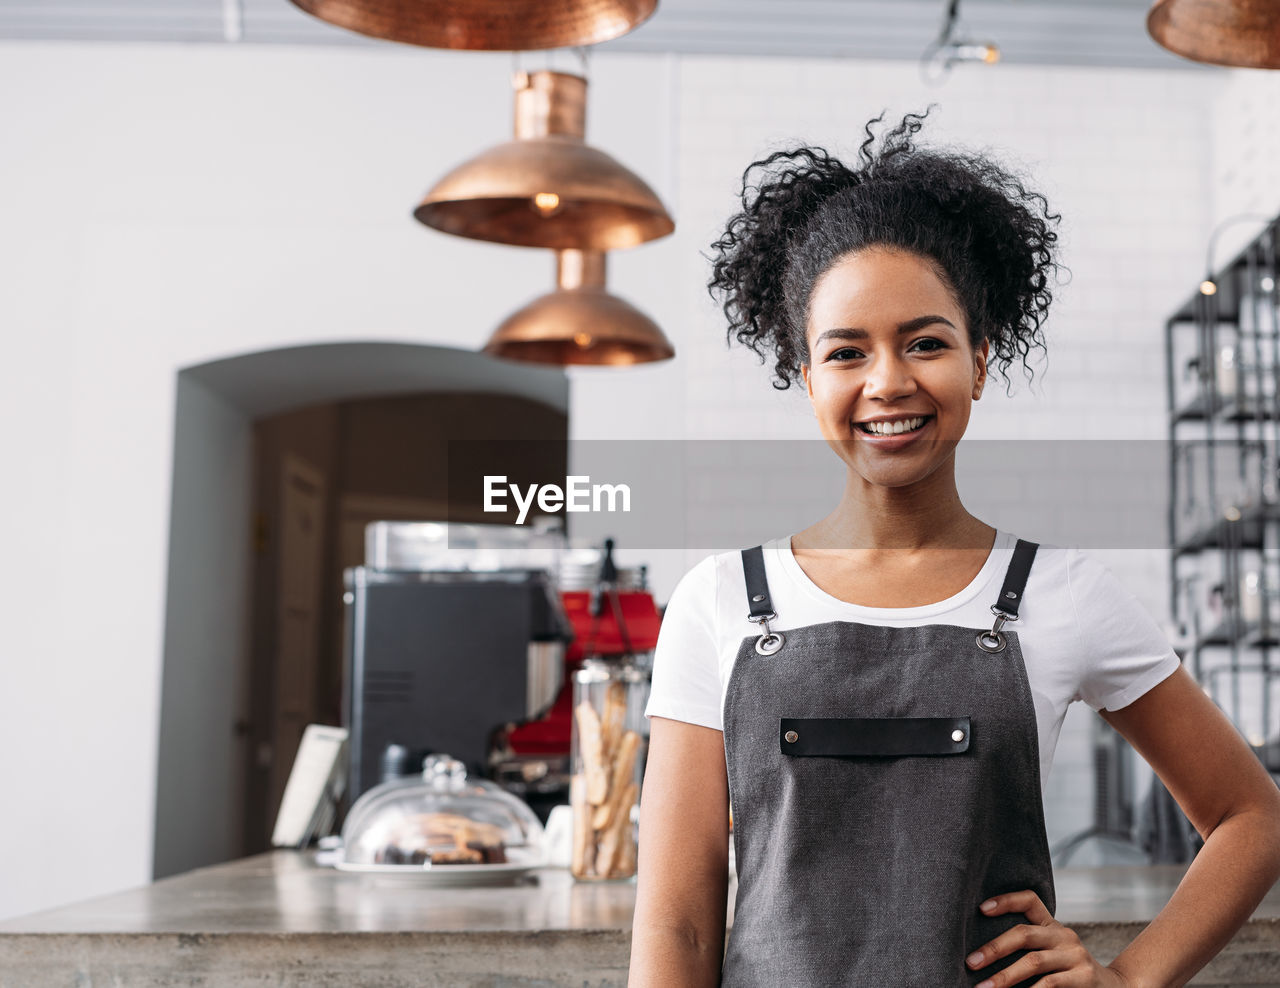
{"x": 1247, "y": 532}
{"x": 1227, "y": 298}
{"x": 1246, "y": 634}
{"x": 1229, "y": 410}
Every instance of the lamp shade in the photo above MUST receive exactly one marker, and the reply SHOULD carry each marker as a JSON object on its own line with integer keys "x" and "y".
{"x": 547, "y": 188}
{"x": 1241, "y": 33}
{"x": 485, "y": 25}
{"x": 580, "y": 322}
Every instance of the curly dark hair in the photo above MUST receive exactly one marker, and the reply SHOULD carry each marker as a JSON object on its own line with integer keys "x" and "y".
{"x": 971, "y": 217}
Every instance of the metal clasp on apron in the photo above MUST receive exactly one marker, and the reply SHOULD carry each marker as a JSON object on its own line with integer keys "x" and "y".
{"x": 770, "y": 641}
{"x": 994, "y": 640}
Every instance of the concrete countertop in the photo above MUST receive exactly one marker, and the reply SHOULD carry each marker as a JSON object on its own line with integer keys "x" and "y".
{"x": 280, "y": 919}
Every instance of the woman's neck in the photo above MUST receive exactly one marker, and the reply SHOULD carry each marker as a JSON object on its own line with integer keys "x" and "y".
{"x": 871, "y": 518}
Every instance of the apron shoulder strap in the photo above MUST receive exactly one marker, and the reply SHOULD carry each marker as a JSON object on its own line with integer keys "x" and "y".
{"x": 757, "y": 586}
{"x": 1015, "y": 578}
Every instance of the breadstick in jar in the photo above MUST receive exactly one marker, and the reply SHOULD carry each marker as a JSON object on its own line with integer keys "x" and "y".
{"x": 606, "y": 852}
{"x": 613, "y": 718}
{"x": 611, "y": 839}
{"x": 620, "y": 828}
{"x": 590, "y": 744}
{"x": 592, "y": 850}
{"x": 623, "y": 768}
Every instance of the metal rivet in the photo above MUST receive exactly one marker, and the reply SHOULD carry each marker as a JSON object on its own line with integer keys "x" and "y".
{"x": 757, "y": 598}
{"x": 792, "y": 736}
{"x": 957, "y": 735}
{"x": 770, "y": 643}
{"x": 990, "y": 641}
{"x": 1011, "y": 595}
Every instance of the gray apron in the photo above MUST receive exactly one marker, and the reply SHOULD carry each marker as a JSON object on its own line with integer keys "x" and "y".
{"x": 884, "y": 781}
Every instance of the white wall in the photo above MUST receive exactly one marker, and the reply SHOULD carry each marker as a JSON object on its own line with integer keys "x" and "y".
{"x": 1245, "y": 130}
{"x": 199, "y": 785}
{"x": 167, "y": 205}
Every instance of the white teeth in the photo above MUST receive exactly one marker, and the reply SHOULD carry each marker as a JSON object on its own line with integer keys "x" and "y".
{"x": 893, "y": 428}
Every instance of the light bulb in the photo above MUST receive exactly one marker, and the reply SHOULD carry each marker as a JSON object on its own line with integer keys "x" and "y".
{"x": 959, "y": 51}
{"x": 546, "y": 203}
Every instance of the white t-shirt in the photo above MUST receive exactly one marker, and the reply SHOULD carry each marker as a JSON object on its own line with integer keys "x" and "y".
{"x": 1083, "y": 635}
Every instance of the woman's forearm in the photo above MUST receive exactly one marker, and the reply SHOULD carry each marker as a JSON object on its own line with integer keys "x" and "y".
{"x": 1223, "y": 885}
{"x": 674, "y": 957}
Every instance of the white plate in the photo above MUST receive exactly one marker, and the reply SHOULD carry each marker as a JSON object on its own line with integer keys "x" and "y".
{"x": 445, "y": 874}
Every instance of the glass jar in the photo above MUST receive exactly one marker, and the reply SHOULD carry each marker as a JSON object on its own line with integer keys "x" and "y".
{"x": 607, "y": 752}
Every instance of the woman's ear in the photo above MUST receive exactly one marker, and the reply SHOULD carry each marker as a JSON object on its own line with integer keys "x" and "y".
{"x": 980, "y": 368}
{"x": 808, "y": 385}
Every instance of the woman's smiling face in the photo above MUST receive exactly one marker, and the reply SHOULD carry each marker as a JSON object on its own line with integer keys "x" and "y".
{"x": 888, "y": 341}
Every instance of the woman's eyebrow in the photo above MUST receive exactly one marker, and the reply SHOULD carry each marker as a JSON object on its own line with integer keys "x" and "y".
{"x": 910, "y": 326}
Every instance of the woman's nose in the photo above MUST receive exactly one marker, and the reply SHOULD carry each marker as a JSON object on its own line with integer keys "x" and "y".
{"x": 887, "y": 376}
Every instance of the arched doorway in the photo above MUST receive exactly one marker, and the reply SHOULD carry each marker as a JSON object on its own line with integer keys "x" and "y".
{"x": 280, "y": 458}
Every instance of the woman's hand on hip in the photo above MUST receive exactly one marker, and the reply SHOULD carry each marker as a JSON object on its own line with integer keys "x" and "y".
{"x": 1054, "y": 951}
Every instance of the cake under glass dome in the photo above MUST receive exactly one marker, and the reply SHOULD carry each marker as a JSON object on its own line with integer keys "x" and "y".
{"x": 444, "y": 822}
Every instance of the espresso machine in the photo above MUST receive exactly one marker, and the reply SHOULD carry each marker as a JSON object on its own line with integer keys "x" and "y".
{"x": 463, "y": 638}
{"x": 449, "y": 632}
{"x": 614, "y": 618}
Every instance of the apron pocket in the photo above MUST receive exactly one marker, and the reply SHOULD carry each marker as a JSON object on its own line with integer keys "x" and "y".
{"x": 874, "y": 735}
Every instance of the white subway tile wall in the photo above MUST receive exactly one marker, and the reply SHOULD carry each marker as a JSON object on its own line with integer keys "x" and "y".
{"x": 1244, "y": 129}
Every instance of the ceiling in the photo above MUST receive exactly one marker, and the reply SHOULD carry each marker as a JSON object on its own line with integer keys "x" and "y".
{"x": 1046, "y": 32}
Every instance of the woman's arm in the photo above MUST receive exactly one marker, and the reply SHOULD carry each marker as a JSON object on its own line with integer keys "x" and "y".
{"x": 1233, "y": 803}
{"x": 682, "y": 879}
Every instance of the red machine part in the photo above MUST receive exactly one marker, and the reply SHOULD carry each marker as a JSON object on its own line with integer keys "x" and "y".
{"x": 550, "y": 734}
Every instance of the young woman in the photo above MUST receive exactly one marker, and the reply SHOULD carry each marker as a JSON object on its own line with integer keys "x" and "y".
{"x": 877, "y": 697}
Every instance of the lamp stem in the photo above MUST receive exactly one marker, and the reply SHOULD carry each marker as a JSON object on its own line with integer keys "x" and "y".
{"x": 550, "y": 103}
{"x": 580, "y": 269}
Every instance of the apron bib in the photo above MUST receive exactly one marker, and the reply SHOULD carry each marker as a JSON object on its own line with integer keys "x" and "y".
{"x": 884, "y": 781}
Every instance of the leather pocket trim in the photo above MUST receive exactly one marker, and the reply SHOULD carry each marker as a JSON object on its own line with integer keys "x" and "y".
{"x": 852, "y": 736}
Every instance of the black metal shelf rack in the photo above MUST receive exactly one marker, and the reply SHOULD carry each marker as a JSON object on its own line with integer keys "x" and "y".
{"x": 1222, "y": 369}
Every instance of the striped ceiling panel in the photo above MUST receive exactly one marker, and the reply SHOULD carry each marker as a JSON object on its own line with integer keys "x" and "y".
{"x": 1052, "y": 32}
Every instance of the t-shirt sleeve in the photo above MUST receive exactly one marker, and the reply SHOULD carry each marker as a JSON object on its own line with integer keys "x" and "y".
{"x": 1123, "y": 651}
{"x": 686, "y": 673}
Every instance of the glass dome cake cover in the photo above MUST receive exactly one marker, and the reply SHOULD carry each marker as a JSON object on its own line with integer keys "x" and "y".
{"x": 443, "y": 818}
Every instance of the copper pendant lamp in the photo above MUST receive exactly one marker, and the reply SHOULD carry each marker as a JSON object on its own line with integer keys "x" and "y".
{"x": 1241, "y": 33}
{"x": 547, "y": 188}
{"x": 580, "y": 322}
{"x": 485, "y": 25}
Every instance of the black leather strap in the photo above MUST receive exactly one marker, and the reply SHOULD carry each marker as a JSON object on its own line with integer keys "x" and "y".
{"x": 844, "y": 736}
{"x": 757, "y": 586}
{"x": 1015, "y": 578}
